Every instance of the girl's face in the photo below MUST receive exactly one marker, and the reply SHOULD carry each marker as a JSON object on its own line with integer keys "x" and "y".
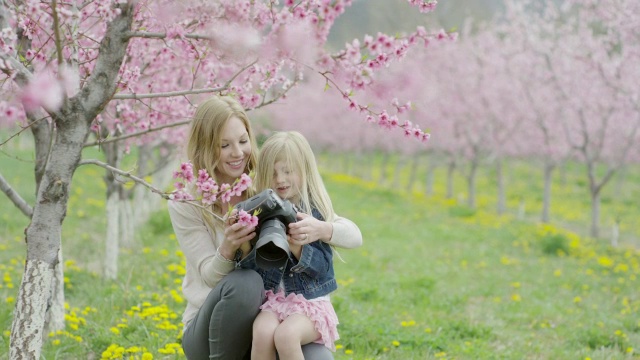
{"x": 235, "y": 149}
{"x": 286, "y": 182}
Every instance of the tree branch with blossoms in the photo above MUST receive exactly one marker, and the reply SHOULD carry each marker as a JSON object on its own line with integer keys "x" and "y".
{"x": 207, "y": 191}
{"x": 360, "y": 68}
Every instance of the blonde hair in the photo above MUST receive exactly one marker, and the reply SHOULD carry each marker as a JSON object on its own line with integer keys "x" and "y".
{"x": 205, "y": 137}
{"x": 292, "y": 148}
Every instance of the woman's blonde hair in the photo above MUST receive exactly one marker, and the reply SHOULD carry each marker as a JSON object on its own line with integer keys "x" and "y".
{"x": 205, "y": 137}
{"x": 292, "y": 148}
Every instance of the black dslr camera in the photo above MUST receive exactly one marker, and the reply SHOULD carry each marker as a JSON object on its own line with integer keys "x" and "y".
{"x": 274, "y": 214}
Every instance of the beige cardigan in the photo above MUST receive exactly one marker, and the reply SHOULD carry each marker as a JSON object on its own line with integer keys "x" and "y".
{"x": 199, "y": 243}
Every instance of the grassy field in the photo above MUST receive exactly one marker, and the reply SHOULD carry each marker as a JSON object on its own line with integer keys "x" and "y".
{"x": 434, "y": 279}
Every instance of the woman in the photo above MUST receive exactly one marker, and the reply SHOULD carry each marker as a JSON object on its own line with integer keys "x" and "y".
{"x": 222, "y": 300}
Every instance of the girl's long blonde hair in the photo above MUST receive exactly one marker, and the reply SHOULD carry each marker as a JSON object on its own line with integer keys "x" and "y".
{"x": 205, "y": 138}
{"x": 292, "y": 148}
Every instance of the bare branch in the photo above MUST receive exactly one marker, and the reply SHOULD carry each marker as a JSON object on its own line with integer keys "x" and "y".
{"x": 102, "y": 83}
{"x": 126, "y": 174}
{"x": 136, "y": 134}
{"x": 23, "y": 129}
{"x": 185, "y": 92}
{"x": 17, "y": 200}
{"x": 169, "y": 93}
{"x": 10, "y": 64}
{"x": 56, "y": 31}
{"x": 149, "y": 35}
{"x": 140, "y": 181}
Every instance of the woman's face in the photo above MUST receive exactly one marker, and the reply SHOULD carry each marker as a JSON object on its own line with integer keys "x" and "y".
{"x": 235, "y": 149}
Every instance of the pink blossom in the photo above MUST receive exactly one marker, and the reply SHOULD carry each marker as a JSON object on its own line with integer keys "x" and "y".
{"x": 43, "y": 90}
{"x": 247, "y": 220}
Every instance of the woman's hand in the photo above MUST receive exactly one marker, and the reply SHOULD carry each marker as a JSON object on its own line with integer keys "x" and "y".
{"x": 236, "y": 236}
{"x": 309, "y": 229}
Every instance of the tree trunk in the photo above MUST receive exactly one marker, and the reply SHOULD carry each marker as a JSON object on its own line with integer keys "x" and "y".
{"x": 595, "y": 212}
{"x": 42, "y": 135}
{"x": 563, "y": 172}
{"x": 430, "y": 176}
{"x": 521, "y": 209}
{"x": 620, "y": 183}
{"x": 413, "y": 172}
{"x": 450, "y": 171}
{"x": 127, "y": 223}
{"x": 546, "y": 196}
{"x": 383, "y": 169}
{"x": 113, "y": 236}
{"x": 346, "y": 163}
{"x": 501, "y": 191}
{"x": 43, "y": 132}
{"x": 471, "y": 185}
{"x": 615, "y": 233}
{"x": 31, "y": 306}
{"x": 114, "y": 197}
{"x": 144, "y": 202}
{"x": 365, "y": 166}
{"x": 54, "y": 318}
{"x": 43, "y": 234}
{"x": 43, "y": 240}
{"x": 397, "y": 173}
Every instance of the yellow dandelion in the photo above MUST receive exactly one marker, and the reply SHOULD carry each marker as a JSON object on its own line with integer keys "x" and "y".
{"x": 577, "y": 299}
{"x": 605, "y": 261}
{"x": 147, "y": 356}
{"x": 557, "y": 273}
{"x": 428, "y": 330}
{"x": 395, "y": 343}
{"x": 10, "y": 300}
{"x": 348, "y": 351}
{"x": 516, "y": 297}
{"x": 629, "y": 350}
{"x": 115, "y": 330}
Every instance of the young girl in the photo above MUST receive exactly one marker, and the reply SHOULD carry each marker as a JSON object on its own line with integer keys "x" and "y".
{"x": 297, "y": 310}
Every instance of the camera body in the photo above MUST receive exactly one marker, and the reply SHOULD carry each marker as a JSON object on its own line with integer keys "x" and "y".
{"x": 274, "y": 215}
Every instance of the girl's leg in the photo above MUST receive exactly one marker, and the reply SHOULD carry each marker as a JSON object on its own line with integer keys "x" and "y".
{"x": 263, "y": 346}
{"x": 295, "y": 331}
{"x": 222, "y": 327}
{"x": 315, "y": 351}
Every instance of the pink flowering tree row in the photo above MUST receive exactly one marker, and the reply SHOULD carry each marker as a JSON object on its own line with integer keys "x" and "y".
{"x": 541, "y": 82}
{"x": 90, "y": 73}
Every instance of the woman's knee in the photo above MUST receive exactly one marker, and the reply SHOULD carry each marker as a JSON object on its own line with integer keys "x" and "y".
{"x": 245, "y": 286}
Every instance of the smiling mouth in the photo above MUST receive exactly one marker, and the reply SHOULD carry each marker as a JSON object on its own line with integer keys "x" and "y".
{"x": 235, "y": 163}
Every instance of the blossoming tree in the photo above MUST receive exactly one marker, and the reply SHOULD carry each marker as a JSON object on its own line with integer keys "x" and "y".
{"x": 131, "y": 68}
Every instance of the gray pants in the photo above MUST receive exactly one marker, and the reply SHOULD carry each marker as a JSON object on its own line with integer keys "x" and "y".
{"x": 223, "y": 326}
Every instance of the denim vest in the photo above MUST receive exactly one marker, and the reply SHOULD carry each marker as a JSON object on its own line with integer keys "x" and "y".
{"x": 312, "y": 276}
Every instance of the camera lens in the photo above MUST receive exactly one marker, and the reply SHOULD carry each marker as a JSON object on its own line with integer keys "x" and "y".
{"x": 272, "y": 248}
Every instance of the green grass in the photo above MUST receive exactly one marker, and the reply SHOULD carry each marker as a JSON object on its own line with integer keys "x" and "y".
{"x": 434, "y": 278}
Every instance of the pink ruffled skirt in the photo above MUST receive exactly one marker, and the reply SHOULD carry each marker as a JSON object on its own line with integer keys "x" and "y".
{"x": 321, "y": 312}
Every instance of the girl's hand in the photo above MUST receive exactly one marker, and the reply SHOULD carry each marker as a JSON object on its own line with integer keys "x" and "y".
{"x": 309, "y": 229}
{"x": 236, "y": 236}
{"x": 294, "y": 247}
